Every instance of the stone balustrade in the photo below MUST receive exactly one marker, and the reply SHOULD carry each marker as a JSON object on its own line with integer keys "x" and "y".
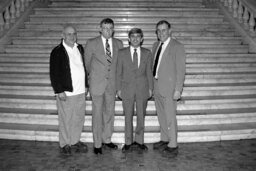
{"x": 244, "y": 12}
{"x": 10, "y": 12}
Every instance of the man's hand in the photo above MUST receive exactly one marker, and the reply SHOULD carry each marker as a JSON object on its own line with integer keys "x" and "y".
{"x": 176, "y": 95}
{"x": 86, "y": 91}
{"x": 62, "y": 96}
{"x": 119, "y": 94}
{"x": 150, "y": 93}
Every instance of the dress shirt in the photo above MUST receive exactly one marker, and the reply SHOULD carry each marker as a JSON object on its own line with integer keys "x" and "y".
{"x": 76, "y": 69}
{"x": 138, "y": 52}
{"x": 161, "y": 54}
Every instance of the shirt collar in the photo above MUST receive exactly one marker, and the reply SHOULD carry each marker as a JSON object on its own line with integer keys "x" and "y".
{"x": 166, "y": 41}
{"x": 104, "y": 39}
{"x": 68, "y": 47}
{"x": 132, "y": 48}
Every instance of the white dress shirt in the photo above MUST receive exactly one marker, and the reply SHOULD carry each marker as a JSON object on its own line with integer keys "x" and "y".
{"x": 161, "y": 54}
{"x": 76, "y": 69}
{"x": 138, "y": 52}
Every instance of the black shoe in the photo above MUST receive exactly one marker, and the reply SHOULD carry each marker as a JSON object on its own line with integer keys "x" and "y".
{"x": 97, "y": 150}
{"x": 110, "y": 145}
{"x": 143, "y": 147}
{"x": 136, "y": 145}
{"x": 80, "y": 147}
{"x": 171, "y": 150}
{"x": 160, "y": 145}
{"x": 66, "y": 150}
{"x": 126, "y": 148}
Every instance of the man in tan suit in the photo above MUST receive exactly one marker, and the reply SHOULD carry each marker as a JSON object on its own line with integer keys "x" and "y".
{"x": 169, "y": 74}
{"x": 100, "y": 58}
{"x": 134, "y": 84}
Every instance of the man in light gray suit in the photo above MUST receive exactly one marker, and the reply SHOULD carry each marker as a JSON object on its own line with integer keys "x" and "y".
{"x": 134, "y": 84}
{"x": 169, "y": 75}
{"x": 101, "y": 57}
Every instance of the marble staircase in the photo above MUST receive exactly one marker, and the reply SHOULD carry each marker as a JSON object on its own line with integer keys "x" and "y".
{"x": 219, "y": 97}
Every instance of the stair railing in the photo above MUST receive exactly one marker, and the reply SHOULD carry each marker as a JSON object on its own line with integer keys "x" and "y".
{"x": 13, "y": 13}
{"x": 242, "y": 15}
{"x": 244, "y": 12}
{"x": 10, "y": 12}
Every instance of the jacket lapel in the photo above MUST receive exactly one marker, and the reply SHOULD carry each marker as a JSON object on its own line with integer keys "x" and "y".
{"x": 101, "y": 50}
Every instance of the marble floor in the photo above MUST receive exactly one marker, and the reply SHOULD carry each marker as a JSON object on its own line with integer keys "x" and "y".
{"x": 209, "y": 156}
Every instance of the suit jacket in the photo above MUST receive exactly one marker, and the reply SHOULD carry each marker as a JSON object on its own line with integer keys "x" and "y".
{"x": 60, "y": 73}
{"x": 171, "y": 72}
{"x": 131, "y": 80}
{"x": 100, "y": 73}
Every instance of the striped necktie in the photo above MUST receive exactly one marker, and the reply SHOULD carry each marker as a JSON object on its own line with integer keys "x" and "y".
{"x": 108, "y": 52}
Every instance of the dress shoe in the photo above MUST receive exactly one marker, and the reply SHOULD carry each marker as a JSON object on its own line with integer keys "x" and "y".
{"x": 139, "y": 146}
{"x": 126, "y": 148}
{"x": 143, "y": 147}
{"x": 171, "y": 150}
{"x": 160, "y": 145}
{"x": 66, "y": 150}
{"x": 110, "y": 145}
{"x": 80, "y": 147}
{"x": 97, "y": 150}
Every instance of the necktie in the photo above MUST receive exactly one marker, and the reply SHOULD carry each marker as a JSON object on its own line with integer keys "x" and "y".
{"x": 135, "y": 58}
{"x": 108, "y": 52}
{"x": 157, "y": 58}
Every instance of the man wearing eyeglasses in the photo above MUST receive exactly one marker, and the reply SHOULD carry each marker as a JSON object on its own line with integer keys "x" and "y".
{"x": 101, "y": 57}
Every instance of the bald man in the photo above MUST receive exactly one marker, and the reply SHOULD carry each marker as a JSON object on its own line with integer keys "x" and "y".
{"x": 69, "y": 81}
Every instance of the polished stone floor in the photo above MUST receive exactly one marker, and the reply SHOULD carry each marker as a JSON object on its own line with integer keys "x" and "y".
{"x": 210, "y": 156}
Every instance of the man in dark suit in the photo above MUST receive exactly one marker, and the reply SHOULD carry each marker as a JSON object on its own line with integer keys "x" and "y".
{"x": 69, "y": 81}
{"x": 169, "y": 75}
{"x": 134, "y": 84}
{"x": 101, "y": 57}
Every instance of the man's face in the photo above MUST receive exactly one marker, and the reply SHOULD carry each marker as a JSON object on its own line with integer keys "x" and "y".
{"x": 107, "y": 30}
{"x": 135, "y": 39}
{"x": 163, "y": 32}
{"x": 70, "y": 36}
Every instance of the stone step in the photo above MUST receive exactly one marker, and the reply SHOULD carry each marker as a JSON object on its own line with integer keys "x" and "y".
{"x": 126, "y": 4}
{"x": 185, "y": 133}
{"x": 148, "y": 41}
{"x": 148, "y": 32}
{"x": 187, "y": 46}
{"x": 117, "y": 19}
{"x": 122, "y": 15}
{"x": 45, "y": 75}
{"x": 150, "y": 120}
{"x": 125, "y": 27}
{"x": 191, "y": 69}
{"x": 201, "y": 81}
{"x": 183, "y": 107}
{"x": 188, "y": 55}
{"x": 208, "y": 88}
{"x": 186, "y": 94}
{"x": 221, "y": 60}
{"x": 229, "y": 66}
{"x": 233, "y": 49}
{"x": 174, "y": 21}
{"x": 55, "y": 29}
{"x": 124, "y": 35}
{"x": 134, "y": 1}
{"x": 125, "y": 11}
